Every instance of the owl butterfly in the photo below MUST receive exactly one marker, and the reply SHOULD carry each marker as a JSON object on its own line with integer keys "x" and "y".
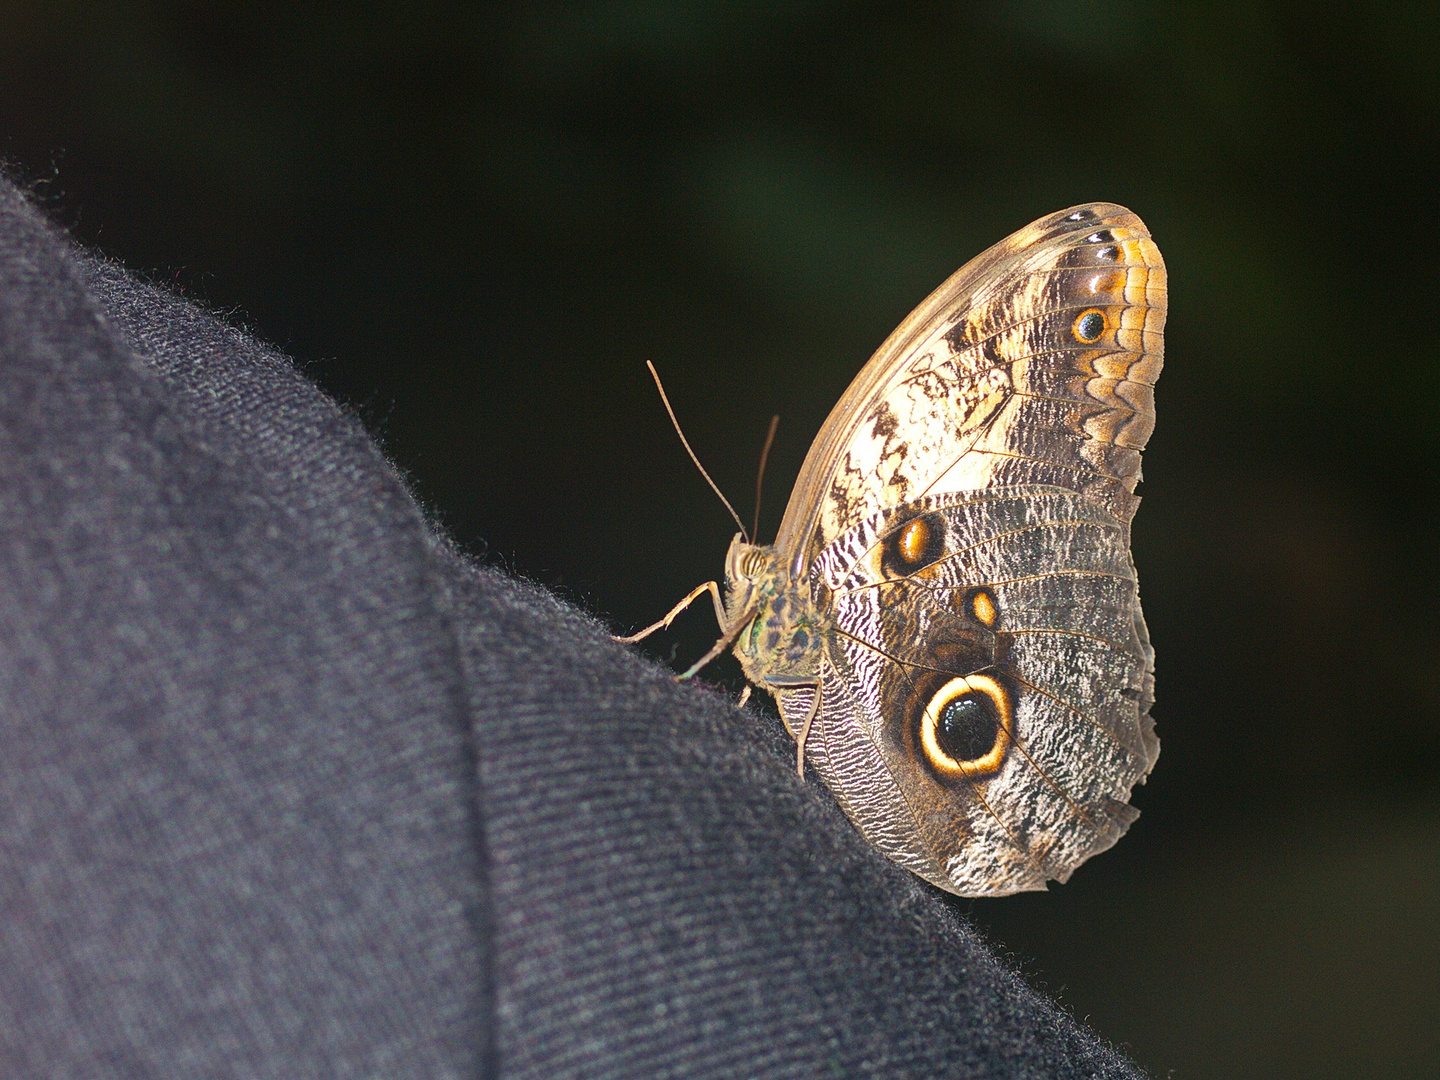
{"x": 948, "y": 618}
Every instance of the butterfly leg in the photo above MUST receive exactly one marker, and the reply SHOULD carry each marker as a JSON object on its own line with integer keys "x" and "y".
{"x": 805, "y": 733}
{"x": 744, "y": 696}
{"x": 730, "y": 634}
{"x": 674, "y": 612}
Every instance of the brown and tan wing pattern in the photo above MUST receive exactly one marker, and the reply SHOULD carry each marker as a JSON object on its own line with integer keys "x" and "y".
{"x": 1034, "y": 363}
{"x": 963, "y": 520}
{"x": 985, "y": 685}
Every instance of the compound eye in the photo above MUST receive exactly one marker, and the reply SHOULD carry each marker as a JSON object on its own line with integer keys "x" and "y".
{"x": 967, "y": 726}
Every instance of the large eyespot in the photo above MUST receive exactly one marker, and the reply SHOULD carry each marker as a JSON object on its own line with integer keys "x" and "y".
{"x": 966, "y": 727}
{"x": 914, "y": 546}
{"x": 1089, "y": 325}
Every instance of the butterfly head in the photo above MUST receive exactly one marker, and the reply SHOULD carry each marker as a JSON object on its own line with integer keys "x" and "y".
{"x": 779, "y": 627}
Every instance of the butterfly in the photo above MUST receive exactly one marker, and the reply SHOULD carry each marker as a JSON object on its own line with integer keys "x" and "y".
{"x": 949, "y": 618}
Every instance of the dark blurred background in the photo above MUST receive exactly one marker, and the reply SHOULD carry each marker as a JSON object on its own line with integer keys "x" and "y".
{"x": 475, "y": 223}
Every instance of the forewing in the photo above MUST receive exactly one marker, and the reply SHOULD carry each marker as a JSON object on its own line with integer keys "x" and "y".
{"x": 1033, "y": 364}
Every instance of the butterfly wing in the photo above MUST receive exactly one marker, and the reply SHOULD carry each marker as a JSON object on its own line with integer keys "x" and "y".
{"x": 985, "y": 693}
{"x": 1033, "y": 363}
{"x": 964, "y": 519}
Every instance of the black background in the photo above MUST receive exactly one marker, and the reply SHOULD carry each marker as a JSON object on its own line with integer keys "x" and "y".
{"x": 475, "y": 223}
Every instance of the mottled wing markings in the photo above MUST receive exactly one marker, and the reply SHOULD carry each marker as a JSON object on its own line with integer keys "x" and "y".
{"x": 1058, "y": 565}
{"x": 974, "y": 787}
{"x": 986, "y": 385}
{"x": 945, "y": 613}
{"x": 994, "y": 439}
{"x": 1015, "y": 740}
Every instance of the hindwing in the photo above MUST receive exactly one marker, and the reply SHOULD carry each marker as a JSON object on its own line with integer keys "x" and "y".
{"x": 1014, "y": 636}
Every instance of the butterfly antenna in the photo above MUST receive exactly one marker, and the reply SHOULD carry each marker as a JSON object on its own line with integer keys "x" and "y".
{"x": 685, "y": 443}
{"x": 760, "y": 473}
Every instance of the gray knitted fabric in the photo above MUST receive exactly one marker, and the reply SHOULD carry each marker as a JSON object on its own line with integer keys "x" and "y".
{"x": 291, "y": 789}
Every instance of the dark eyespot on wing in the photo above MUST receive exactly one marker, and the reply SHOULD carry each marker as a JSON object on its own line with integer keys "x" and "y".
{"x": 1091, "y": 255}
{"x": 963, "y": 729}
{"x": 1088, "y": 326}
{"x": 968, "y": 727}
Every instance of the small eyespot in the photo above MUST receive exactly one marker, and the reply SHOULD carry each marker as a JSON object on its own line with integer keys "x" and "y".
{"x": 965, "y": 727}
{"x": 1104, "y": 236}
{"x": 981, "y": 604}
{"x": 1108, "y": 254}
{"x": 1080, "y": 215}
{"x": 1089, "y": 325}
{"x": 915, "y": 545}
{"x": 913, "y": 540}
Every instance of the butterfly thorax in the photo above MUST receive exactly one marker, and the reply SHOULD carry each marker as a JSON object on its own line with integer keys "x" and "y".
{"x": 780, "y": 639}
